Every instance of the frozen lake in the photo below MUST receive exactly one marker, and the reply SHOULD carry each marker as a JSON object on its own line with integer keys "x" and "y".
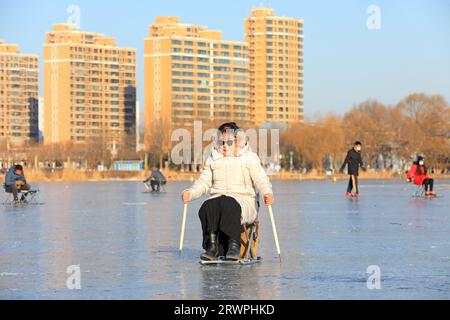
{"x": 126, "y": 244}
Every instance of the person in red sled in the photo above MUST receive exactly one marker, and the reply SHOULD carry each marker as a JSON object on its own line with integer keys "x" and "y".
{"x": 418, "y": 174}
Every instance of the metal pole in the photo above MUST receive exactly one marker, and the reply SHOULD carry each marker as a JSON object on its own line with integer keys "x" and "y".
{"x": 275, "y": 234}
{"x": 183, "y": 227}
{"x": 354, "y": 183}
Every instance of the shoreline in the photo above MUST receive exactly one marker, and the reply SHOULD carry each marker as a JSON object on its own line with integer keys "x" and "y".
{"x": 85, "y": 176}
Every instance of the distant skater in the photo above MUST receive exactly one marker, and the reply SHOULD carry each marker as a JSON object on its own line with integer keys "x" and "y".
{"x": 156, "y": 180}
{"x": 15, "y": 182}
{"x": 418, "y": 174}
{"x": 353, "y": 161}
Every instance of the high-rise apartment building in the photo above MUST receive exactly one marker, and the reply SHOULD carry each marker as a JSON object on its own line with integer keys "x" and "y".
{"x": 276, "y": 67}
{"x": 89, "y": 88}
{"x": 192, "y": 74}
{"x": 19, "y": 93}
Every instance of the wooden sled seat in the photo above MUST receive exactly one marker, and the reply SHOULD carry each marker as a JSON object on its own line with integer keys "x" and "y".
{"x": 249, "y": 245}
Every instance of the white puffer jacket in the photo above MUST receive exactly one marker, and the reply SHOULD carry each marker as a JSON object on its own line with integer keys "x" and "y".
{"x": 235, "y": 177}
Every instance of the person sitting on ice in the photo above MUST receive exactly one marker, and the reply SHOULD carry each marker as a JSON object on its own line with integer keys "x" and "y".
{"x": 156, "y": 179}
{"x": 230, "y": 173}
{"x": 418, "y": 174}
{"x": 15, "y": 182}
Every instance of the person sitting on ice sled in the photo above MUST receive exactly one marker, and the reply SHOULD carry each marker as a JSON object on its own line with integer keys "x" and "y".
{"x": 15, "y": 182}
{"x": 156, "y": 180}
{"x": 418, "y": 174}
{"x": 353, "y": 161}
{"x": 230, "y": 173}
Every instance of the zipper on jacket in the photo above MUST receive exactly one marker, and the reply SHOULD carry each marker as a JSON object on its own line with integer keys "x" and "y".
{"x": 243, "y": 173}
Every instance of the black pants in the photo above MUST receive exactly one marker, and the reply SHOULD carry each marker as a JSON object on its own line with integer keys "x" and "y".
{"x": 155, "y": 185}
{"x": 428, "y": 183}
{"x": 15, "y": 191}
{"x": 221, "y": 215}
{"x": 350, "y": 184}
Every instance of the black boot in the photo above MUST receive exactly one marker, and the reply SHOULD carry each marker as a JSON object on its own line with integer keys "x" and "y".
{"x": 234, "y": 250}
{"x": 212, "y": 251}
{"x": 23, "y": 198}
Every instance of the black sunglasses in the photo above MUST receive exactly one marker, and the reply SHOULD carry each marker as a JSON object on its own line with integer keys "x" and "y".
{"x": 229, "y": 142}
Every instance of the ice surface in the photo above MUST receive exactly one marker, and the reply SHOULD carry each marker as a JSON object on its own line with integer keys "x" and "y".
{"x": 126, "y": 244}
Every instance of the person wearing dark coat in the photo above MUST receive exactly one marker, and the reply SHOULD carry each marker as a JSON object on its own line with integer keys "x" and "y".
{"x": 15, "y": 182}
{"x": 353, "y": 161}
{"x": 156, "y": 179}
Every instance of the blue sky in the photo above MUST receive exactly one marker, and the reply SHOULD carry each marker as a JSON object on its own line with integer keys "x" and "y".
{"x": 345, "y": 62}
